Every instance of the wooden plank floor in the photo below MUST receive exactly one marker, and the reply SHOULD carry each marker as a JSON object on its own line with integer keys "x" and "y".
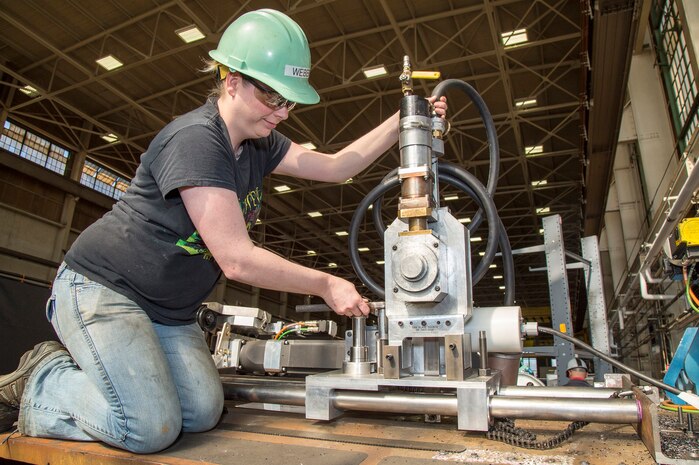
{"x": 252, "y": 437}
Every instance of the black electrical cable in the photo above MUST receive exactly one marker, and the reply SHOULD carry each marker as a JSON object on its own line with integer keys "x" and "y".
{"x": 356, "y": 222}
{"x": 607, "y": 358}
{"x": 491, "y": 133}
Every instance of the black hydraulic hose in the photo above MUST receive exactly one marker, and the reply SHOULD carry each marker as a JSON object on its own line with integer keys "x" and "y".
{"x": 503, "y": 242}
{"x": 475, "y": 187}
{"x": 491, "y": 133}
{"x": 462, "y": 180}
{"x": 356, "y": 222}
{"x": 610, "y": 360}
{"x": 493, "y": 222}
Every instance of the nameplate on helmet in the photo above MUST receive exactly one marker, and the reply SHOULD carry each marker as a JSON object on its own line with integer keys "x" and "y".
{"x": 296, "y": 71}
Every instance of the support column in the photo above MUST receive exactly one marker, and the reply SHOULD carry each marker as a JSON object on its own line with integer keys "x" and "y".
{"x": 596, "y": 307}
{"x": 284, "y": 304}
{"x": 655, "y": 137}
{"x": 255, "y": 297}
{"x": 615, "y": 238}
{"x": 561, "y": 317}
{"x": 60, "y": 245}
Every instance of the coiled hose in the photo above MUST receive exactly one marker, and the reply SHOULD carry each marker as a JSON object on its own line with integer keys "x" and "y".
{"x": 461, "y": 179}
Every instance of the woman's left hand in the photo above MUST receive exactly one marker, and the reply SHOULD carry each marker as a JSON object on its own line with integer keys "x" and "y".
{"x": 440, "y": 106}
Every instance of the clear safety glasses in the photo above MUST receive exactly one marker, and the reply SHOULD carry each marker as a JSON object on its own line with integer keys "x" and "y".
{"x": 272, "y": 99}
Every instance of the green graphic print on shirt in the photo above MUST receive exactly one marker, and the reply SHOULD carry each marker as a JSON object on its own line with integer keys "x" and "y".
{"x": 250, "y": 206}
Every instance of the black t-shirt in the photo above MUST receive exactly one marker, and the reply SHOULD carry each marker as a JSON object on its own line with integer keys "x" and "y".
{"x": 146, "y": 248}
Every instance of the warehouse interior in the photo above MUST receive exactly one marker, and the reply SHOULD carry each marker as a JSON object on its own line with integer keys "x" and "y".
{"x": 595, "y": 106}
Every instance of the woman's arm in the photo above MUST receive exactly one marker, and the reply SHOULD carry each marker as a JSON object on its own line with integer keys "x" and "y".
{"x": 308, "y": 164}
{"x": 219, "y": 221}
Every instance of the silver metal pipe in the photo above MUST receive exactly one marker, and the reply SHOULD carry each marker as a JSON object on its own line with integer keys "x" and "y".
{"x": 538, "y": 408}
{"x": 390, "y": 402}
{"x": 616, "y": 411}
{"x": 557, "y": 392}
{"x": 271, "y": 394}
{"x": 483, "y": 349}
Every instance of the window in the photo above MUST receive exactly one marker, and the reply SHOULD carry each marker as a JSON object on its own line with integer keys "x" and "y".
{"x": 103, "y": 180}
{"x": 675, "y": 64}
{"x": 36, "y": 149}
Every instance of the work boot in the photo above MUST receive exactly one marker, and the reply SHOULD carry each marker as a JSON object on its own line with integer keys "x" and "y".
{"x": 12, "y": 384}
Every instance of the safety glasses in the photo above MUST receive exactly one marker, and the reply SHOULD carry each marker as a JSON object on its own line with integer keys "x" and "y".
{"x": 272, "y": 99}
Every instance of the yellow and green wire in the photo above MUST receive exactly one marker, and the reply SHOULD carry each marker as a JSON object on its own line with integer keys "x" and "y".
{"x": 691, "y": 297}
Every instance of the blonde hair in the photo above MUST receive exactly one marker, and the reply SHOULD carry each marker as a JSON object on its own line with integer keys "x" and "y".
{"x": 212, "y": 66}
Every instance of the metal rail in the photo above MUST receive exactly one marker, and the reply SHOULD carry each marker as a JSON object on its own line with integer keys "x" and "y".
{"x": 579, "y": 404}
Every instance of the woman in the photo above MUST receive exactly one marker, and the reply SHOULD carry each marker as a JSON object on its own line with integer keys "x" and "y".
{"x": 137, "y": 371}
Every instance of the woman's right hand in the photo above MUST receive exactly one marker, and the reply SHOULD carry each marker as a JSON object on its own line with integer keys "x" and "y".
{"x": 343, "y": 298}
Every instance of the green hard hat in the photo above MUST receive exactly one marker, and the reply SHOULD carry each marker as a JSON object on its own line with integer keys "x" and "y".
{"x": 269, "y": 46}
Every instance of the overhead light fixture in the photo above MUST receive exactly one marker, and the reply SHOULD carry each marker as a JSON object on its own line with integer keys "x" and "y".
{"x": 533, "y": 150}
{"x": 363, "y": 249}
{"x": 375, "y": 71}
{"x": 380, "y": 262}
{"x": 451, "y": 197}
{"x": 341, "y": 233}
{"x": 309, "y": 145}
{"x": 282, "y": 188}
{"x": 315, "y": 214}
{"x": 516, "y": 37}
{"x": 29, "y": 90}
{"x": 349, "y": 181}
{"x": 111, "y": 138}
{"x": 541, "y": 211}
{"x": 476, "y": 239}
{"x": 543, "y": 182}
{"x": 190, "y": 34}
{"x": 493, "y": 265}
{"x": 481, "y": 253}
{"x": 497, "y": 276}
{"x": 464, "y": 220}
{"x": 258, "y": 221}
{"x": 541, "y": 230}
{"x": 332, "y": 265}
{"x": 525, "y": 102}
{"x": 502, "y": 288}
{"x": 109, "y": 62}
{"x": 311, "y": 252}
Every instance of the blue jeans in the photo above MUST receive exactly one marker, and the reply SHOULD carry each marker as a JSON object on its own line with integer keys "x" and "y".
{"x": 128, "y": 381}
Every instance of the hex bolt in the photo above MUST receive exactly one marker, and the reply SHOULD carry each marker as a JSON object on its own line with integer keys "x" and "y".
{"x": 448, "y": 323}
{"x": 437, "y": 288}
{"x": 423, "y": 323}
{"x": 286, "y": 343}
{"x": 389, "y": 357}
{"x": 395, "y": 247}
{"x": 400, "y": 323}
{"x": 436, "y": 245}
{"x": 452, "y": 346}
{"x": 395, "y": 289}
